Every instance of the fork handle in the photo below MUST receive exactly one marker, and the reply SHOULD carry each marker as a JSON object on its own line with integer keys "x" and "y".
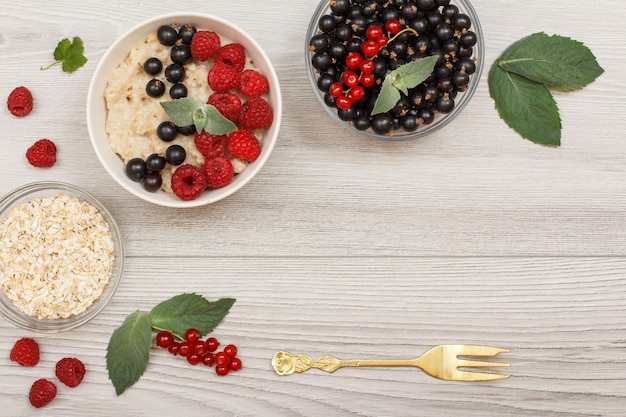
{"x": 285, "y": 363}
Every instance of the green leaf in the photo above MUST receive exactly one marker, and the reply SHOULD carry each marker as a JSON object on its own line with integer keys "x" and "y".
{"x": 181, "y": 111}
{"x": 70, "y": 54}
{"x": 199, "y": 119}
{"x": 526, "y": 106}
{"x": 402, "y": 79}
{"x": 556, "y": 60}
{"x": 216, "y": 123}
{"x": 184, "y": 311}
{"x": 129, "y": 351}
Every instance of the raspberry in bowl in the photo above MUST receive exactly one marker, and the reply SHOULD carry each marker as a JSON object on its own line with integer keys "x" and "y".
{"x": 174, "y": 94}
{"x": 431, "y": 52}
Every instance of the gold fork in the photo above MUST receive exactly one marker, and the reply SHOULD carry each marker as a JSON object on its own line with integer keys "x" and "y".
{"x": 441, "y": 362}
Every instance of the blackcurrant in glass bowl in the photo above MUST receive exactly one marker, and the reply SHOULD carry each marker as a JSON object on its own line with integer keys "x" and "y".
{"x": 353, "y": 46}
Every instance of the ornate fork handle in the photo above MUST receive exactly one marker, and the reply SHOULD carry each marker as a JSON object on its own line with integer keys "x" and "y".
{"x": 285, "y": 363}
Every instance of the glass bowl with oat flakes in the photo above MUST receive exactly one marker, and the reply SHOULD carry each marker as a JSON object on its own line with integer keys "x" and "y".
{"x": 61, "y": 256}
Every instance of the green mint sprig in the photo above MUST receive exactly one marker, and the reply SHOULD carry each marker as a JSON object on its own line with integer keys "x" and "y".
{"x": 128, "y": 352}
{"x": 187, "y": 111}
{"x": 400, "y": 80}
{"x": 521, "y": 78}
{"x": 69, "y": 54}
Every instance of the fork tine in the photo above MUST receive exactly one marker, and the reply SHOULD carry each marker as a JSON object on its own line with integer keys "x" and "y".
{"x": 475, "y": 350}
{"x": 479, "y": 376}
{"x": 476, "y": 364}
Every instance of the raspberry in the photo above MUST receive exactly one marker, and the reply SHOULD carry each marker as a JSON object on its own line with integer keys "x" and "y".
{"x": 70, "y": 371}
{"x": 218, "y": 172}
{"x": 256, "y": 113}
{"x": 242, "y": 144}
{"x": 253, "y": 83}
{"x": 20, "y": 102}
{"x": 188, "y": 182}
{"x": 42, "y": 154}
{"x": 25, "y": 352}
{"x": 204, "y": 45}
{"x": 42, "y": 392}
{"x": 232, "y": 54}
{"x": 222, "y": 77}
{"x": 228, "y": 104}
{"x": 210, "y": 145}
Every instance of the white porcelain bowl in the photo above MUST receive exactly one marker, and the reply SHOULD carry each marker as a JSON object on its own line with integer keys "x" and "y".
{"x": 118, "y": 52}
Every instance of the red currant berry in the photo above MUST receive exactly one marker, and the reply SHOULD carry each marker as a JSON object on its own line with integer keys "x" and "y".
{"x": 336, "y": 89}
{"x": 208, "y": 359}
{"x": 235, "y": 364}
{"x": 356, "y": 93}
{"x": 192, "y": 335}
{"x": 370, "y": 48}
{"x": 174, "y": 348}
{"x": 194, "y": 359}
{"x": 221, "y": 370}
{"x": 230, "y": 351}
{"x": 343, "y": 102}
{"x": 221, "y": 359}
{"x": 382, "y": 42}
{"x": 164, "y": 339}
{"x": 212, "y": 344}
{"x": 185, "y": 349}
{"x": 350, "y": 78}
{"x": 200, "y": 347}
{"x": 368, "y": 66}
{"x": 368, "y": 80}
{"x": 374, "y": 32}
{"x": 353, "y": 60}
{"x": 393, "y": 26}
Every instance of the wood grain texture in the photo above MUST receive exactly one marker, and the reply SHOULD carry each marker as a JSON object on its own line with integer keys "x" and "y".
{"x": 351, "y": 247}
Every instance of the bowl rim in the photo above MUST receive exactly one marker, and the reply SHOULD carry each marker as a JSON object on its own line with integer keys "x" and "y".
{"x": 461, "y": 102}
{"x": 98, "y": 84}
{"x": 15, "y": 316}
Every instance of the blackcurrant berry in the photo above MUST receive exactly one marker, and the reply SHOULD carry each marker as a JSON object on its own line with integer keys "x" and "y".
{"x": 362, "y": 123}
{"x": 155, "y": 163}
{"x": 175, "y": 154}
{"x": 449, "y": 12}
{"x": 468, "y": 39}
{"x": 444, "y": 31}
{"x": 181, "y": 53}
{"x": 466, "y": 65}
{"x": 346, "y": 114}
{"x": 136, "y": 169}
{"x": 445, "y": 104}
{"x": 409, "y": 123}
{"x": 326, "y": 23}
{"x": 187, "y": 130}
{"x": 167, "y": 35}
{"x": 425, "y": 4}
{"x": 319, "y": 43}
{"x": 343, "y": 32}
{"x": 338, "y": 51}
{"x": 178, "y": 90}
{"x": 153, "y": 66}
{"x": 426, "y": 115}
{"x": 382, "y": 123}
{"x": 462, "y": 21}
{"x": 187, "y": 32}
{"x": 460, "y": 79}
{"x": 152, "y": 182}
{"x": 155, "y": 88}
{"x": 321, "y": 61}
{"x": 167, "y": 131}
{"x": 340, "y": 7}
{"x": 175, "y": 73}
{"x": 325, "y": 81}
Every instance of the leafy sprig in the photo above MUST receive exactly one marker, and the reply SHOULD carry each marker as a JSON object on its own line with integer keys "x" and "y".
{"x": 70, "y": 54}
{"x": 521, "y": 78}
{"x": 187, "y": 111}
{"x": 128, "y": 352}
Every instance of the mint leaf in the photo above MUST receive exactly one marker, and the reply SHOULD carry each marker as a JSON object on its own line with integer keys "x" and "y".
{"x": 402, "y": 79}
{"x": 556, "y": 60}
{"x": 181, "y": 111}
{"x": 129, "y": 351}
{"x": 199, "y": 119}
{"x": 69, "y": 54}
{"x": 216, "y": 123}
{"x": 184, "y": 311}
{"x": 526, "y": 106}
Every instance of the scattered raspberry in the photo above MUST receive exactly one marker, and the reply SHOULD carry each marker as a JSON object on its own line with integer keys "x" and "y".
{"x": 256, "y": 113}
{"x": 70, "y": 371}
{"x": 42, "y": 392}
{"x": 20, "y": 102}
{"x": 204, "y": 45}
{"x": 188, "y": 182}
{"x": 232, "y": 54}
{"x": 228, "y": 104}
{"x": 242, "y": 144}
{"x": 210, "y": 145}
{"x": 42, "y": 154}
{"x": 25, "y": 352}
{"x": 218, "y": 172}
{"x": 252, "y": 83}
{"x": 222, "y": 77}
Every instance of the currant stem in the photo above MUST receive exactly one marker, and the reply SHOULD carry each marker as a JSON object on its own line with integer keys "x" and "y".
{"x": 413, "y": 31}
{"x": 158, "y": 329}
{"x": 43, "y": 68}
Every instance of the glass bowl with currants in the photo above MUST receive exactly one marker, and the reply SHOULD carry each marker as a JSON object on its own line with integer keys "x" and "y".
{"x": 394, "y": 69}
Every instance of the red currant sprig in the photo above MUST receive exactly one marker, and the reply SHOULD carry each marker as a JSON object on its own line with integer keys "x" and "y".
{"x": 196, "y": 351}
